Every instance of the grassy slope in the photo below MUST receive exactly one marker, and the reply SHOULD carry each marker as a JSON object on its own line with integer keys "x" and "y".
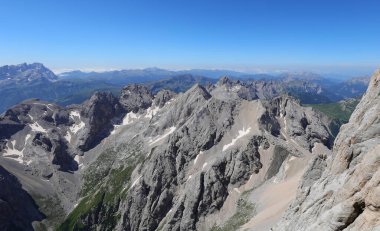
{"x": 339, "y": 112}
{"x": 105, "y": 188}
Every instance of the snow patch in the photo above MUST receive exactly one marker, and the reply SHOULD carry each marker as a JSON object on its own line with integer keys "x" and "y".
{"x": 135, "y": 182}
{"x": 236, "y": 88}
{"x": 74, "y": 114}
{"x": 151, "y": 111}
{"x": 36, "y": 127}
{"x": 49, "y": 107}
{"x": 241, "y": 134}
{"x": 31, "y": 117}
{"x": 14, "y": 154}
{"x": 76, "y": 127}
{"x": 171, "y": 130}
{"x": 13, "y": 143}
{"x": 128, "y": 118}
{"x": 204, "y": 165}
{"x": 170, "y": 101}
{"x": 68, "y": 136}
{"x": 78, "y": 159}
{"x": 196, "y": 158}
{"x": 27, "y": 138}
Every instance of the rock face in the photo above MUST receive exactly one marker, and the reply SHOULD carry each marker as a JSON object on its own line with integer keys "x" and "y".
{"x": 135, "y": 97}
{"x": 178, "y": 162}
{"x": 342, "y": 191}
{"x": 100, "y": 110}
{"x": 303, "y": 125}
{"x": 162, "y": 97}
{"x": 197, "y": 160}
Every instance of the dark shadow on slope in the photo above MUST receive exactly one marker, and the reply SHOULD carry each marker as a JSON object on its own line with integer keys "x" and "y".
{"x": 17, "y": 208}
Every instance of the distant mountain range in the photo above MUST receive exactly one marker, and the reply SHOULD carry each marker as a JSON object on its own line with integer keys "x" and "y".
{"x": 25, "y": 81}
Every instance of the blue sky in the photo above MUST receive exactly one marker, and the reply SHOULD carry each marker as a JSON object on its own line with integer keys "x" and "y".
{"x": 256, "y": 35}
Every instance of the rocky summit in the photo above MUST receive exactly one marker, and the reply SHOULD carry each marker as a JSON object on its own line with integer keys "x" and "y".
{"x": 225, "y": 156}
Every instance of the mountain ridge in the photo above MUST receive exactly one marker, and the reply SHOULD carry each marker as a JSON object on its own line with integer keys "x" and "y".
{"x": 36, "y": 81}
{"x": 187, "y": 140}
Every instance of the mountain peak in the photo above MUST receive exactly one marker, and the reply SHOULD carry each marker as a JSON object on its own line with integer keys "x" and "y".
{"x": 224, "y": 80}
{"x": 135, "y": 97}
{"x": 374, "y": 80}
{"x": 199, "y": 90}
{"x": 26, "y": 72}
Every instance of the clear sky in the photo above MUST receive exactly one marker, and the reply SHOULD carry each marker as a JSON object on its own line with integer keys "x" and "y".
{"x": 250, "y": 35}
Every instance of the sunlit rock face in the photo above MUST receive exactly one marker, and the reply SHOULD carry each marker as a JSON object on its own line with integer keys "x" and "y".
{"x": 342, "y": 191}
{"x": 202, "y": 159}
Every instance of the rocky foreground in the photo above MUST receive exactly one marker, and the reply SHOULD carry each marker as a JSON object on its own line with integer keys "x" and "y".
{"x": 212, "y": 158}
{"x": 342, "y": 191}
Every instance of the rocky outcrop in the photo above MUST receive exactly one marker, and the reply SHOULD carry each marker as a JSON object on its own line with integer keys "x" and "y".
{"x": 37, "y": 124}
{"x": 304, "y": 125}
{"x": 162, "y": 97}
{"x": 135, "y": 97}
{"x": 166, "y": 170}
{"x": 342, "y": 191}
{"x": 100, "y": 110}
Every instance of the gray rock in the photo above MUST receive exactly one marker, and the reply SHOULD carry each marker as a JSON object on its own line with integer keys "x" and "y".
{"x": 162, "y": 97}
{"x": 135, "y": 97}
{"x": 342, "y": 192}
{"x": 143, "y": 174}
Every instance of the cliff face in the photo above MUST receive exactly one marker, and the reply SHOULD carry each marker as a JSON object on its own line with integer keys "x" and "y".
{"x": 342, "y": 191}
{"x": 196, "y": 161}
{"x": 204, "y": 159}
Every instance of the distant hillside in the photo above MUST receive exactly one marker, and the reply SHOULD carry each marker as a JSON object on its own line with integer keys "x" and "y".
{"x": 180, "y": 83}
{"x": 339, "y": 112}
{"x": 25, "y": 81}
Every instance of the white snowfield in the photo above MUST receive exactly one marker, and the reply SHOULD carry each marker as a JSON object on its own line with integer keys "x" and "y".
{"x": 204, "y": 165}
{"x": 241, "y": 134}
{"x": 27, "y": 138}
{"x": 236, "y": 88}
{"x": 68, "y": 136}
{"x": 159, "y": 138}
{"x": 77, "y": 159}
{"x": 196, "y": 158}
{"x": 76, "y": 127}
{"x": 130, "y": 117}
{"x": 36, "y": 127}
{"x": 14, "y": 154}
{"x": 135, "y": 182}
{"x": 151, "y": 111}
